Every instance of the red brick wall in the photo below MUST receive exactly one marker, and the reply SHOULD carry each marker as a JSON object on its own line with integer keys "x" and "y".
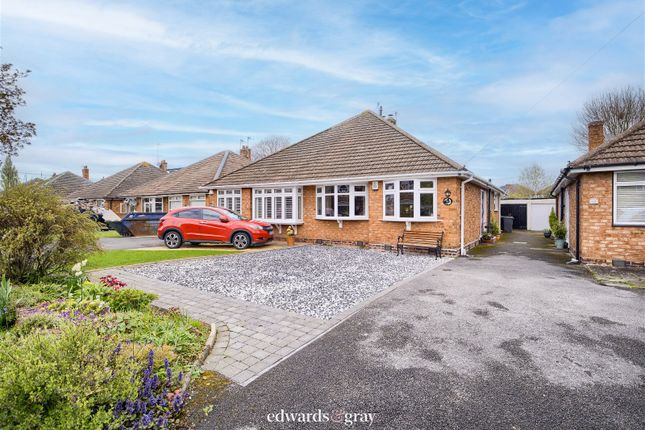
{"x": 601, "y": 241}
{"x": 375, "y": 231}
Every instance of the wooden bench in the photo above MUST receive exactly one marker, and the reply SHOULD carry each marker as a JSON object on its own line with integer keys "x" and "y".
{"x": 430, "y": 240}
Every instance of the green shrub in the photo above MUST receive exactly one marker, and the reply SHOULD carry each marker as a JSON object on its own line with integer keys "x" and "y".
{"x": 7, "y": 304}
{"x": 67, "y": 380}
{"x": 559, "y": 230}
{"x": 553, "y": 219}
{"x": 128, "y": 299}
{"x": 82, "y": 307}
{"x": 41, "y": 235}
{"x": 36, "y": 322}
{"x": 494, "y": 228}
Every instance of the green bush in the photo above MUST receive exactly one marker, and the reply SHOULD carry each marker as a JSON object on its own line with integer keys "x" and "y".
{"x": 67, "y": 380}
{"x": 7, "y": 304}
{"x": 36, "y": 322}
{"x": 559, "y": 230}
{"x": 494, "y": 228}
{"x": 553, "y": 219}
{"x": 83, "y": 307}
{"x": 41, "y": 235}
{"x": 128, "y": 299}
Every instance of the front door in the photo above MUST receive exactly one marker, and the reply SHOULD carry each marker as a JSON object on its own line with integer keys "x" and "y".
{"x": 483, "y": 211}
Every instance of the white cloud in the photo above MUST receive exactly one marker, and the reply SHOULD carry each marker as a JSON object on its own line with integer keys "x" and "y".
{"x": 164, "y": 126}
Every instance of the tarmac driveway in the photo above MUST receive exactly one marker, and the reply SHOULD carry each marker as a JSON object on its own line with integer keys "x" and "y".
{"x": 511, "y": 338}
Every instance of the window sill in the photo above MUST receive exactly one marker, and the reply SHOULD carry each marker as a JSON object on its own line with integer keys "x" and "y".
{"x": 410, "y": 219}
{"x": 341, "y": 218}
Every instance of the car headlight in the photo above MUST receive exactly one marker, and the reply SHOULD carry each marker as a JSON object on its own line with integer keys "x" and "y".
{"x": 256, "y": 227}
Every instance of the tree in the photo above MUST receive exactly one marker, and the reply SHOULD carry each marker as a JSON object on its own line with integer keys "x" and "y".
{"x": 535, "y": 180}
{"x": 8, "y": 175}
{"x": 14, "y": 133}
{"x": 268, "y": 146}
{"x": 618, "y": 109}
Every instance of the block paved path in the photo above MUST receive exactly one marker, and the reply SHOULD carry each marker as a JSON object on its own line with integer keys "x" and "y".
{"x": 251, "y": 337}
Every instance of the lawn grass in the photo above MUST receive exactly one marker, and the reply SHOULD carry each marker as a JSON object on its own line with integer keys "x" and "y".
{"x": 107, "y": 233}
{"x": 103, "y": 259}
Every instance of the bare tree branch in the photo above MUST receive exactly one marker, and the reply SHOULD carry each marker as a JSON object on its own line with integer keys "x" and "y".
{"x": 268, "y": 146}
{"x": 618, "y": 110}
{"x": 534, "y": 180}
{"x": 14, "y": 133}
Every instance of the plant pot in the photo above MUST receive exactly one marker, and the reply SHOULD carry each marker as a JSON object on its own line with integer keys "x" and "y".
{"x": 547, "y": 234}
{"x": 291, "y": 240}
{"x": 559, "y": 243}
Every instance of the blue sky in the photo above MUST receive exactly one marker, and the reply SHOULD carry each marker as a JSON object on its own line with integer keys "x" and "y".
{"x": 493, "y": 84}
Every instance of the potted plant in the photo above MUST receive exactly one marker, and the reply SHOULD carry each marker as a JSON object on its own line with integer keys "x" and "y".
{"x": 560, "y": 233}
{"x": 494, "y": 229}
{"x": 291, "y": 236}
{"x": 553, "y": 220}
{"x": 488, "y": 238}
{"x": 547, "y": 233}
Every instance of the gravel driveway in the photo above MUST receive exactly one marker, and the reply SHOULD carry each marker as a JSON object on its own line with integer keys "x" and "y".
{"x": 317, "y": 281}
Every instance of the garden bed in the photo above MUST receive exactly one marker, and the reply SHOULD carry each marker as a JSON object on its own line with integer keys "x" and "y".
{"x": 83, "y": 355}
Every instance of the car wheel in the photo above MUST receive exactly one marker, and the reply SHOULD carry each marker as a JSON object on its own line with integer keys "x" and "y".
{"x": 172, "y": 239}
{"x": 241, "y": 240}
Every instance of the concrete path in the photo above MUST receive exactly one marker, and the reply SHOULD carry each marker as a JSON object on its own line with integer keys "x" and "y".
{"x": 510, "y": 338}
{"x": 138, "y": 242}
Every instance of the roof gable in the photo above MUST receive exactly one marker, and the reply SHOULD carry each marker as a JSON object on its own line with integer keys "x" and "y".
{"x": 116, "y": 185}
{"x": 189, "y": 179}
{"x": 626, "y": 148}
{"x": 363, "y": 145}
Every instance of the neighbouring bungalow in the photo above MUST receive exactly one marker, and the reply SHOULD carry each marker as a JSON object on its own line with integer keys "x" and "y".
{"x": 601, "y": 198}
{"x": 67, "y": 183}
{"x": 364, "y": 182}
{"x": 109, "y": 192}
{"x": 182, "y": 187}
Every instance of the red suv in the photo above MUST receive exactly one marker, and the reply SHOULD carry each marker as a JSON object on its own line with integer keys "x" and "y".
{"x": 205, "y": 224}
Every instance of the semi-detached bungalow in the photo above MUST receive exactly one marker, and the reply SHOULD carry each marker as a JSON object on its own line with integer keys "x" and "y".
{"x": 182, "y": 187}
{"x": 364, "y": 182}
{"x": 601, "y": 198}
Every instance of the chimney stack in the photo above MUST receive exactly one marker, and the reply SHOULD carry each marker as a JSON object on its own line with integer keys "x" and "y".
{"x": 245, "y": 152}
{"x": 163, "y": 165}
{"x": 391, "y": 119}
{"x": 86, "y": 172}
{"x": 596, "y": 134}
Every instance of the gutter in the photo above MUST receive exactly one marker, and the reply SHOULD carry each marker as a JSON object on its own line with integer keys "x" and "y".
{"x": 462, "y": 199}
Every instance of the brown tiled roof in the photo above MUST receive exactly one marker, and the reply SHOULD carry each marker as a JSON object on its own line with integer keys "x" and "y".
{"x": 115, "y": 186}
{"x": 190, "y": 178}
{"x": 67, "y": 183}
{"x": 363, "y": 145}
{"x": 626, "y": 148}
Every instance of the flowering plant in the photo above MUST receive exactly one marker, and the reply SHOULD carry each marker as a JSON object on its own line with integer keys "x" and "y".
{"x": 290, "y": 231}
{"x": 112, "y": 282}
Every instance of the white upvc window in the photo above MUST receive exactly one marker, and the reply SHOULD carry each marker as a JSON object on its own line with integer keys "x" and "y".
{"x": 278, "y": 205}
{"x": 629, "y": 197}
{"x": 230, "y": 199}
{"x": 197, "y": 200}
{"x": 410, "y": 200}
{"x": 496, "y": 200}
{"x": 175, "y": 202}
{"x": 344, "y": 201}
{"x": 153, "y": 204}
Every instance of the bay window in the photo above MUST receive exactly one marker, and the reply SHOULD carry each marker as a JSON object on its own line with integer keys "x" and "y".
{"x": 230, "y": 199}
{"x": 629, "y": 198}
{"x": 345, "y": 201}
{"x": 410, "y": 200}
{"x": 276, "y": 205}
{"x": 153, "y": 204}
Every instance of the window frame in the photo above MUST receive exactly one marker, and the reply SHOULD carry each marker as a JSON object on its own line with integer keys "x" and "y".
{"x": 232, "y": 196}
{"x": 155, "y": 200}
{"x": 322, "y": 194}
{"x": 172, "y": 199}
{"x": 274, "y": 198}
{"x": 198, "y": 196}
{"x": 614, "y": 187}
{"x": 416, "y": 202}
